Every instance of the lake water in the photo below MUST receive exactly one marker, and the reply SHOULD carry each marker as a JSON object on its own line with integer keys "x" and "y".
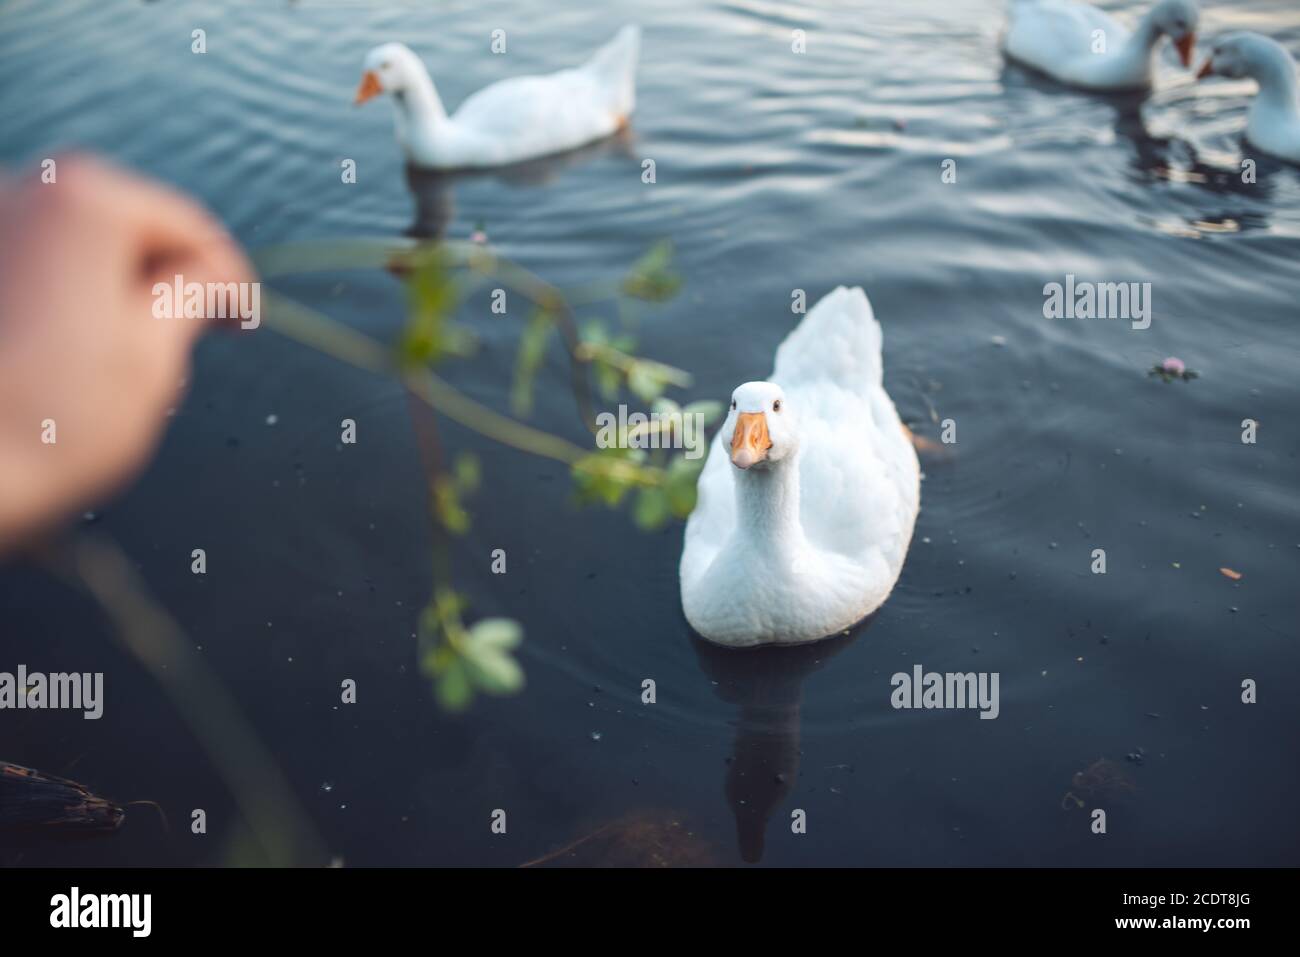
{"x": 775, "y": 171}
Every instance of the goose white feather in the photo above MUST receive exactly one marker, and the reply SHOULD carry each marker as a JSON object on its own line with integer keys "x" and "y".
{"x": 510, "y": 121}
{"x": 1273, "y": 122}
{"x": 804, "y": 538}
{"x": 1082, "y": 46}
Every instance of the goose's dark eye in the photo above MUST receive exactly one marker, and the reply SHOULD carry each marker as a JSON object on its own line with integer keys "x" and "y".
{"x": 733, "y": 405}
{"x": 385, "y": 65}
{"x": 776, "y": 406}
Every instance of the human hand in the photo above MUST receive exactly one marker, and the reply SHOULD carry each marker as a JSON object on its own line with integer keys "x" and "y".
{"x": 80, "y": 346}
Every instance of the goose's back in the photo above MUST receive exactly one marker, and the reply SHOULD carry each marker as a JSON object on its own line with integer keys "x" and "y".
{"x": 1056, "y": 36}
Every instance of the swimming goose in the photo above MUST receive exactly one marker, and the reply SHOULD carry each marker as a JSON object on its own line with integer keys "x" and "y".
{"x": 1273, "y": 123}
{"x": 1080, "y": 45}
{"x": 511, "y": 120}
{"x": 809, "y": 493}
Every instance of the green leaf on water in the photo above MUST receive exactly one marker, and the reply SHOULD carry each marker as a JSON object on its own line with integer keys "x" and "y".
{"x": 651, "y": 509}
{"x": 682, "y": 481}
{"x": 453, "y": 689}
{"x": 431, "y": 291}
{"x": 531, "y": 354}
{"x": 652, "y": 278}
{"x": 468, "y": 471}
{"x": 644, "y": 381}
{"x": 502, "y": 633}
{"x": 462, "y": 661}
{"x": 599, "y": 477}
{"x": 593, "y": 331}
{"x": 491, "y": 667}
{"x": 608, "y": 380}
{"x": 711, "y": 410}
{"x": 447, "y": 506}
{"x": 664, "y": 406}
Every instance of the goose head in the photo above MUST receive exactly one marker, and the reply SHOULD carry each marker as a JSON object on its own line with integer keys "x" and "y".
{"x": 1177, "y": 19}
{"x": 1241, "y": 54}
{"x": 389, "y": 68}
{"x": 761, "y": 426}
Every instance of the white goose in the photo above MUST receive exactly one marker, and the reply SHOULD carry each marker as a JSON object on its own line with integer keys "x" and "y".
{"x": 512, "y": 120}
{"x": 810, "y": 492}
{"x": 1273, "y": 123}
{"x": 1080, "y": 45}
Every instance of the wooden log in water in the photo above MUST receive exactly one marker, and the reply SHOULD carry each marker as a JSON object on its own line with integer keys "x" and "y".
{"x": 33, "y": 803}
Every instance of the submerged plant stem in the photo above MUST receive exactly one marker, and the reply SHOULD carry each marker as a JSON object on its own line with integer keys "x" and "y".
{"x": 309, "y": 327}
{"x": 334, "y": 255}
{"x": 156, "y": 640}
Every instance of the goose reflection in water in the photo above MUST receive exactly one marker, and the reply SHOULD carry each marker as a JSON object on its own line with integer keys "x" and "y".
{"x": 435, "y": 203}
{"x": 1235, "y": 200}
{"x": 766, "y": 686}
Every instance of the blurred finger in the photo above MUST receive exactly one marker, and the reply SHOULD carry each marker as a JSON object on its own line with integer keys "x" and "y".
{"x": 168, "y": 228}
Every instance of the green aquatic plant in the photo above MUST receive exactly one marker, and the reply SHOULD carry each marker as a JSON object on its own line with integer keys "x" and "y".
{"x": 637, "y": 464}
{"x": 464, "y": 660}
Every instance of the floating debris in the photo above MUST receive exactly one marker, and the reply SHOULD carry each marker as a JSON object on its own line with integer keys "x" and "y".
{"x": 1216, "y": 226}
{"x": 1099, "y": 780}
{"x": 1230, "y": 573}
{"x": 1173, "y": 368}
{"x": 32, "y": 802}
{"x": 643, "y": 838}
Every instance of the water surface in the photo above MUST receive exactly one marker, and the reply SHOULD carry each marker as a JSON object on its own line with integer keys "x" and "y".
{"x": 775, "y": 172}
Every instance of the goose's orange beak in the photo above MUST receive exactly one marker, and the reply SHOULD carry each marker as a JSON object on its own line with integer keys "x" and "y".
{"x": 750, "y": 442}
{"x": 370, "y": 87}
{"x": 1185, "y": 45}
{"x": 1206, "y": 69}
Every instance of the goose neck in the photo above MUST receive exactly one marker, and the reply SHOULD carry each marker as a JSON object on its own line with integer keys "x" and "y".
{"x": 767, "y": 505}
{"x": 1276, "y": 77}
{"x": 419, "y": 103}
{"x": 1142, "y": 44}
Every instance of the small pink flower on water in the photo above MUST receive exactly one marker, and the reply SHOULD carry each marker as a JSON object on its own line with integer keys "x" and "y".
{"x": 1173, "y": 366}
{"x": 479, "y": 237}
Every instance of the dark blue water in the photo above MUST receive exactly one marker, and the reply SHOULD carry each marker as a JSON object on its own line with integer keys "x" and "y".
{"x": 775, "y": 171}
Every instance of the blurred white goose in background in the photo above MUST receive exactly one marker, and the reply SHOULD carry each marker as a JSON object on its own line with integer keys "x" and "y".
{"x": 1273, "y": 122}
{"x": 512, "y": 120}
{"x": 810, "y": 492}
{"x": 1082, "y": 46}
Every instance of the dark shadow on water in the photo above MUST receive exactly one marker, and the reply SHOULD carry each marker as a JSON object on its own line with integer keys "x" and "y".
{"x": 766, "y": 686}
{"x": 435, "y": 202}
